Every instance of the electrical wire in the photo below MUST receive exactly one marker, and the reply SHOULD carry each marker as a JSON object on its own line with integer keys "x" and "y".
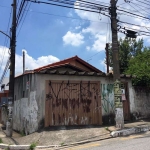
{"x": 136, "y": 9}
{"x": 82, "y": 4}
{"x": 140, "y": 5}
{"x": 142, "y": 2}
{"x": 44, "y": 13}
{"x": 23, "y": 20}
{"x": 5, "y": 71}
{"x": 134, "y": 14}
{"x": 133, "y": 24}
{"x": 6, "y": 41}
{"x": 64, "y": 6}
{"x": 136, "y": 30}
{"x": 142, "y": 9}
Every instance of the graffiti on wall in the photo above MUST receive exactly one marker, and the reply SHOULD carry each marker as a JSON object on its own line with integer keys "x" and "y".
{"x": 72, "y": 103}
{"x": 107, "y": 97}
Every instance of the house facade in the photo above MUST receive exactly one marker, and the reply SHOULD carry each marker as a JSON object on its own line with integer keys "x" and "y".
{"x": 69, "y": 92}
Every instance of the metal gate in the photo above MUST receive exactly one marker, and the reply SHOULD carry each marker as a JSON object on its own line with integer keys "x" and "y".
{"x": 126, "y": 103}
{"x": 72, "y": 103}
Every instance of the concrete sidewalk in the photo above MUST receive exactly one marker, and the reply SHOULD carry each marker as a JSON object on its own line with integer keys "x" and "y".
{"x": 68, "y": 136}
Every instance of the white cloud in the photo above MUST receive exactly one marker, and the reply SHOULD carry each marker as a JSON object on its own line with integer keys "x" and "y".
{"x": 98, "y": 27}
{"x": 99, "y": 43}
{"x": 74, "y": 39}
{"x": 104, "y": 66}
{"x": 30, "y": 62}
{"x": 78, "y": 27}
{"x": 88, "y": 48}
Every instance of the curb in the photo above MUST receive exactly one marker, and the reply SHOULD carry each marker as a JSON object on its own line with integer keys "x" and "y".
{"x": 26, "y": 147}
{"x": 114, "y": 134}
{"x": 130, "y": 131}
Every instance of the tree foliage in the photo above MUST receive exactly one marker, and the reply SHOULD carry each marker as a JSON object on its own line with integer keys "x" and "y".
{"x": 128, "y": 48}
{"x": 134, "y": 60}
{"x": 140, "y": 67}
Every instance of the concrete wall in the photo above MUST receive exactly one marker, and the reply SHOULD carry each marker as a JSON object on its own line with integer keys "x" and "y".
{"x": 140, "y": 102}
{"x": 26, "y": 109}
{"x": 3, "y": 115}
{"x": 29, "y": 106}
{"x": 25, "y": 114}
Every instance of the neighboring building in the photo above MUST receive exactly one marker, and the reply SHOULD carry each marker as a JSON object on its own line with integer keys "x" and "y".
{"x": 5, "y": 84}
{"x": 4, "y": 87}
{"x": 68, "y": 92}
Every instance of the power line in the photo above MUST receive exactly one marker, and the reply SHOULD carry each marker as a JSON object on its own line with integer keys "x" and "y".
{"x": 5, "y": 6}
{"x": 5, "y": 70}
{"x": 61, "y": 5}
{"x": 142, "y": 2}
{"x": 134, "y": 14}
{"x": 133, "y": 24}
{"x": 93, "y": 56}
{"x": 125, "y": 28}
{"x": 58, "y": 4}
{"x": 142, "y": 9}
{"x": 140, "y": 5}
{"x": 136, "y": 9}
{"x": 44, "y": 13}
{"x": 6, "y": 41}
{"x": 23, "y": 20}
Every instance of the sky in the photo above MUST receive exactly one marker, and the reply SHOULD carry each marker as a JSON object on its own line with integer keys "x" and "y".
{"x": 51, "y": 33}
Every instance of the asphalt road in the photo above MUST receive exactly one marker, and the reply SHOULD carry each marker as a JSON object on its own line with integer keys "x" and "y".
{"x": 133, "y": 142}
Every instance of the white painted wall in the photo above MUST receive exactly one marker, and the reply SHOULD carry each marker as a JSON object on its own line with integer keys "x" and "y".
{"x": 25, "y": 114}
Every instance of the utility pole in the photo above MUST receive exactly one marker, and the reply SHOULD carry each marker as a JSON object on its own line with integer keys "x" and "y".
{"x": 107, "y": 57}
{"x": 9, "y": 123}
{"x": 119, "y": 118}
{"x": 23, "y": 53}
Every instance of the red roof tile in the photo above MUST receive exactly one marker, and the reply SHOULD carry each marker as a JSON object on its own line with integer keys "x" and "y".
{"x": 67, "y": 61}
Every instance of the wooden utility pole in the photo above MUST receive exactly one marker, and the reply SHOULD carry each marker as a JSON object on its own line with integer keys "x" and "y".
{"x": 23, "y": 61}
{"x": 9, "y": 123}
{"x": 119, "y": 118}
{"x": 107, "y": 57}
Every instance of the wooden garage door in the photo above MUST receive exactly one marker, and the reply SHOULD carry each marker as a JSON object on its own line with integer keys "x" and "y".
{"x": 72, "y": 103}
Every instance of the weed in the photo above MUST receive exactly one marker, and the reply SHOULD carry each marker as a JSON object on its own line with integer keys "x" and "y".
{"x": 22, "y": 133}
{"x": 32, "y": 146}
{"x": 106, "y": 128}
{"x": 1, "y": 141}
{"x": 62, "y": 143}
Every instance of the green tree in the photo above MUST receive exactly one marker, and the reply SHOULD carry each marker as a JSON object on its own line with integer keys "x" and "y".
{"x": 128, "y": 48}
{"x": 140, "y": 67}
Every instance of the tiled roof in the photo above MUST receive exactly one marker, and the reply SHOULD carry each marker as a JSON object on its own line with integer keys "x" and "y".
{"x": 102, "y": 74}
{"x": 67, "y": 61}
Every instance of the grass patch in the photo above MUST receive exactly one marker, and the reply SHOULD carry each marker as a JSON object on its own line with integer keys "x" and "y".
{"x": 32, "y": 146}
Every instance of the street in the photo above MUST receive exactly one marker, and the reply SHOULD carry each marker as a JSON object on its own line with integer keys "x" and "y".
{"x": 133, "y": 142}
